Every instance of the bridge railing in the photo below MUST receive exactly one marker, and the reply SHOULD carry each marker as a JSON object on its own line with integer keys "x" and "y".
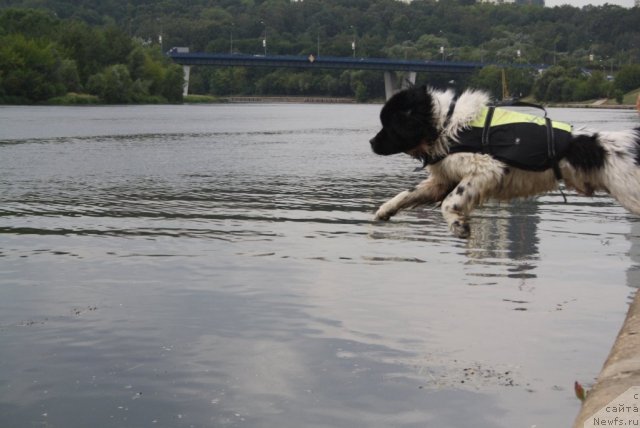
{"x": 330, "y": 62}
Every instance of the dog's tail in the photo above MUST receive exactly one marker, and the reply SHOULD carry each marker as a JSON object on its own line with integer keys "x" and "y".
{"x": 609, "y": 161}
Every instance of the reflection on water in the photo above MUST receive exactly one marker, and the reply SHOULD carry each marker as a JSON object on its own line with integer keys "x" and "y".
{"x": 218, "y": 266}
{"x": 505, "y": 235}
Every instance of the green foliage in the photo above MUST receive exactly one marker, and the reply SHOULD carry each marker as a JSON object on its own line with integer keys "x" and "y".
{"x": 73, "y": 98}
{"x": 42, "y": 57}
{"x": 490, "y": 79}
{"x": 361, "y": 92}
{"x": 540, "y": 88}
{"x": 116, "y": 86}
{"x": 519, "y": 80}
{"x": 30, "y": 70}
{"x": 201, "y": 99}
{"x": 628, "y": 78}
{"x": 93, "y": 36}
{"x": 227, "y": 81}
{"x": 618, "y": 95}
{"x": 29, "y": 23}
{"x": 561, "y": 84}
{"x": 172, "y": 83}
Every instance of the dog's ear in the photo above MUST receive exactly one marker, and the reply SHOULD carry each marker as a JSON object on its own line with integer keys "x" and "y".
{"x": 423, "y": 112}
{"x": 405, "y": 103}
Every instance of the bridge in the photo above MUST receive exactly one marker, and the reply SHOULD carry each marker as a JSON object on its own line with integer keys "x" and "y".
{"x": 390, "y": 67}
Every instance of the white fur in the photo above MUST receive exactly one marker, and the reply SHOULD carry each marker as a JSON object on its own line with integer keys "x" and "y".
{"x": 462, "y": 181}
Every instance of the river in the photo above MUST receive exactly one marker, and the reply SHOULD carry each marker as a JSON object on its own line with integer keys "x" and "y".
{"x": 217, "y": 265}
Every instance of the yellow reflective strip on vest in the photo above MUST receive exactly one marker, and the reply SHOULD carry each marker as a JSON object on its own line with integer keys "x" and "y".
{"x": 505, "y": 117}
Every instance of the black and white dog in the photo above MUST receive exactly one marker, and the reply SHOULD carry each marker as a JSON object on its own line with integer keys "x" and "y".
{"x": 473, "y": 153}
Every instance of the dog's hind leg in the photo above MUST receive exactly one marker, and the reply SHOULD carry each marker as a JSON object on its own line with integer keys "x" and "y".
{"x": 429, "y": 191}
{"x": 467, "y": 195}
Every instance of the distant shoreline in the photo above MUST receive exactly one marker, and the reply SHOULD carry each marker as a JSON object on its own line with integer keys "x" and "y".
{"x": 600, "y": 106}
{"x": 258, "y": 99}
{"x": 301, "y": 99}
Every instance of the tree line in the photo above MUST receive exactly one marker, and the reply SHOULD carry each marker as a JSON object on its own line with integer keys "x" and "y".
{"x": 44, "y": 59}
{"x": 584, "y": 46}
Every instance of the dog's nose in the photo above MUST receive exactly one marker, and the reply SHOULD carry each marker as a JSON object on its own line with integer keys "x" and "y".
{"x": 372, "y": 141}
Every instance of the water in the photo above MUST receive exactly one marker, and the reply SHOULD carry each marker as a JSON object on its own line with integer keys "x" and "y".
{"x": 207, "y": 266}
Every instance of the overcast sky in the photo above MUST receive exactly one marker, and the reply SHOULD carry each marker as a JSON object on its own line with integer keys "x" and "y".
{"x": 580, "y": 3}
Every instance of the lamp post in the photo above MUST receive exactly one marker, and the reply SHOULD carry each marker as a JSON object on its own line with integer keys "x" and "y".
{"x": 231, "y": 38}
{"x": 264, "y": 40}
{"x": 160, "y": 34}
{"x": 353, "y": 42}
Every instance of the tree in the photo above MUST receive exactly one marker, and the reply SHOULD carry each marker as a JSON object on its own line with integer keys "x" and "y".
{"x": 490, "y": 79}
{"x": 97, "y": 34}
{"x": 541, "y": 85}
{"x": 172, "y": 85}
{"x": 67, "y": 74}
{"x": 30, "y": 70}
{"x": 29, "y": 22}
{"x": 84, "y": 44}
{"x": 628, "y": 78}
{"x": 361, "y": 92}
{"x": 113, "y": 85}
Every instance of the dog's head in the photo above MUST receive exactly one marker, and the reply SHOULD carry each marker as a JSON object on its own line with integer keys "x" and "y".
{"x": 407, "y": 122}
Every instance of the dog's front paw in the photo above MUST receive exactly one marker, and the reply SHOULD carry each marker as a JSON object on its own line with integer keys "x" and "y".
{"x": 383, "y": 214}
{"x": 460, "y": 229}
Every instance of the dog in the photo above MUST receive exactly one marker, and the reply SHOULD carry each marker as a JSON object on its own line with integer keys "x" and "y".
{"x": 466, "y": 166}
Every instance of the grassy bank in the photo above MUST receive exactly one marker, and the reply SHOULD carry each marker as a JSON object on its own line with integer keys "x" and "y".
{"x": 73, "y": 98}
{"x": 201, "y": 99}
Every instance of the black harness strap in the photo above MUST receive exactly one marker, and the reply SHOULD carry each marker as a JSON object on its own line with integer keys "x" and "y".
{"x": 486, "y": 129}
{"x": 551, "y": 148}
{"x": 426, "y": 160}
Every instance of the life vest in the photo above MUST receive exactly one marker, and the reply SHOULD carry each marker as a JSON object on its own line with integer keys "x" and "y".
{"x": 518, "y": 139}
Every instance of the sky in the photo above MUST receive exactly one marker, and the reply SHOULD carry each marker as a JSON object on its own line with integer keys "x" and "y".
{"x": 580, "y": 3}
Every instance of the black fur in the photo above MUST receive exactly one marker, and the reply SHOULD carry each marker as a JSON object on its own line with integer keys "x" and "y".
{"x": 406, "y": 122}
{"x": 585, "y": 153}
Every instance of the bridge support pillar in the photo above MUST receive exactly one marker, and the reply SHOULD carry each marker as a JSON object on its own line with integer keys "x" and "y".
{"x": 186, "y": 69}
{"x": 394, "y": 82}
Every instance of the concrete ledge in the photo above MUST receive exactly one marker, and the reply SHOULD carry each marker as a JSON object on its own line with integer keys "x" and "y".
{"x": 621, "y": 370}
{"x": 600, "y": 106}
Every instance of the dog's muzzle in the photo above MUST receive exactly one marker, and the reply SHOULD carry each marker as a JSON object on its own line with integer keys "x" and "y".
{"x": 383, "y": 144}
